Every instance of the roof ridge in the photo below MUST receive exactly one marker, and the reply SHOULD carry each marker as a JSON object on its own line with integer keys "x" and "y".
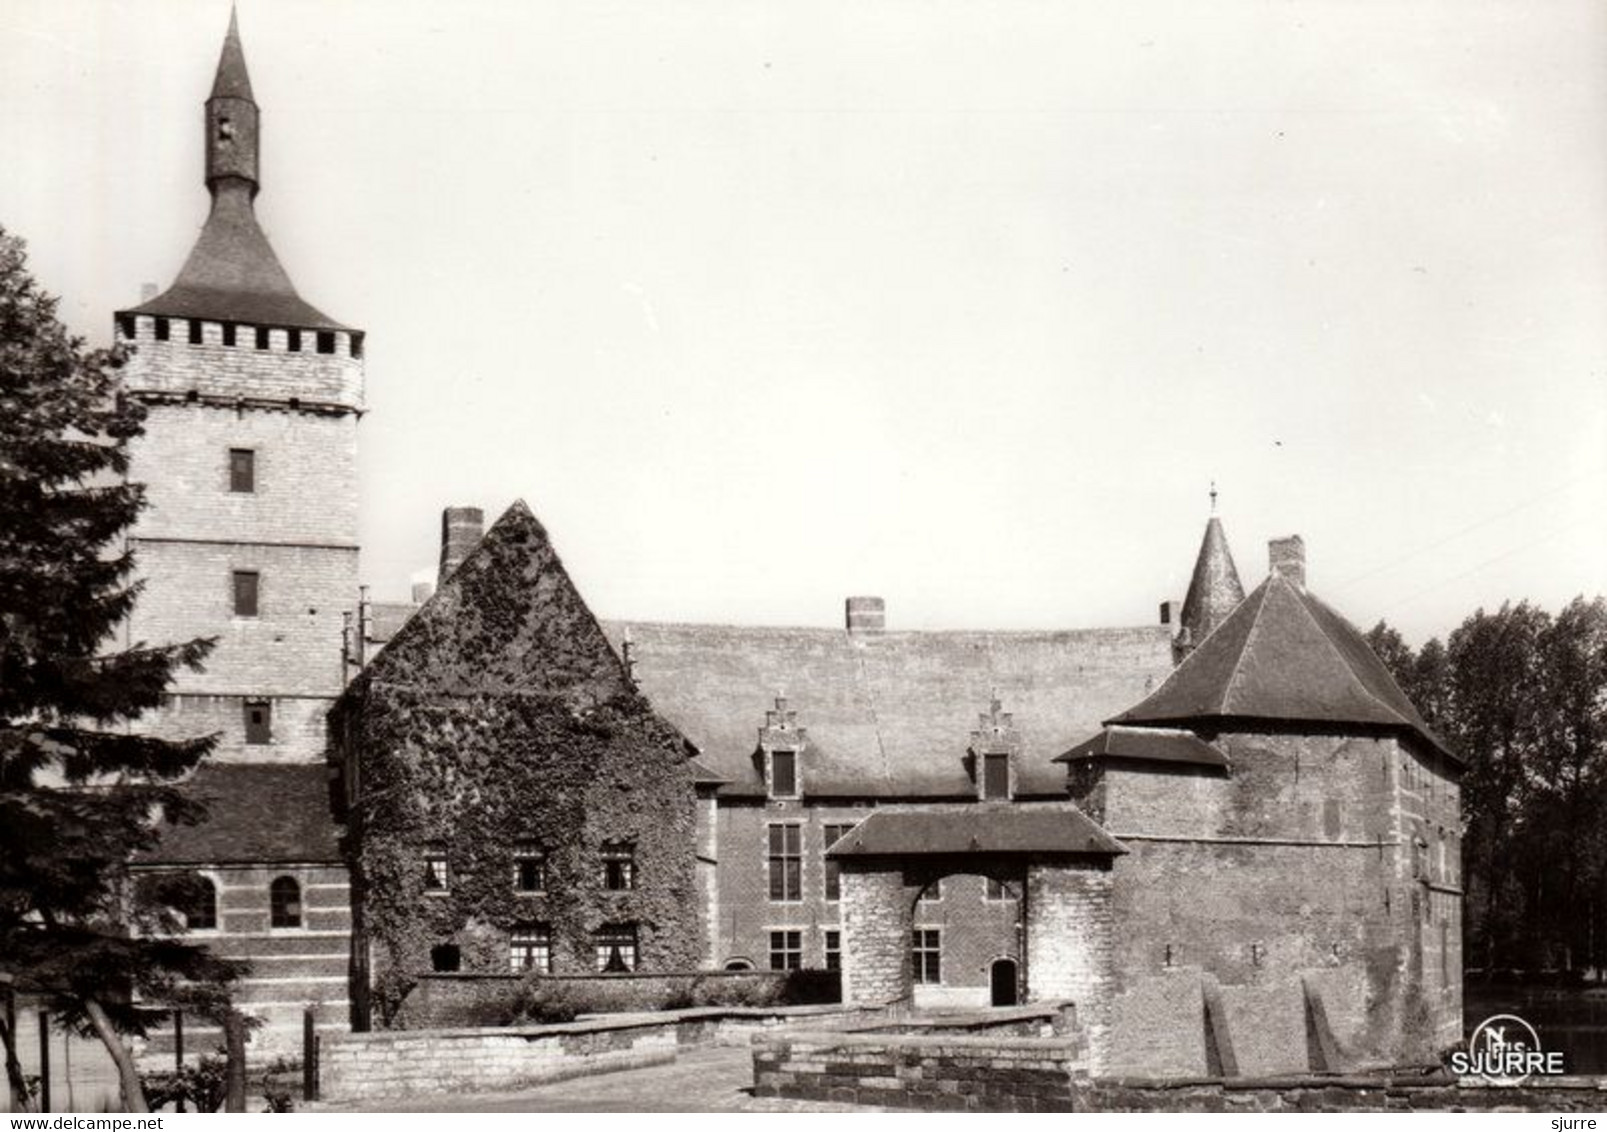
{"x": 1344, "y": 661}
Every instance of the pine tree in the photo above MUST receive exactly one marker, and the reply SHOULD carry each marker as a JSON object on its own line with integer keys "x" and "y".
{"x": 80, "y": 794}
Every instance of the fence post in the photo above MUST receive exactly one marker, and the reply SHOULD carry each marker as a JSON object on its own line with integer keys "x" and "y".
{"x": 234, "y": 1035}
{"x": 44, "y": 1061}
{"x": 178, "y": 1054}
{"x": 309, "y": 1056}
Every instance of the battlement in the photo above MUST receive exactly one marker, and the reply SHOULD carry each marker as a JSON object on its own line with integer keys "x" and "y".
{"x": 229, "y": 362}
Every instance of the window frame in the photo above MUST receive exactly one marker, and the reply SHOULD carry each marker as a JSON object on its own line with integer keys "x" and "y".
{"x": 528, "y": 853}
{"x": 437, "y": 871}
{"x": 618, "y": 866}
{"x": 786, "y": 949}
{"x": 833, "y": 870}
{"x": 530, "y": 942}
{"x": 832, "y": 949}
{"x": 286, "y": 915}
{"x": 784, "y": 866}
{"x": 790, "y": 757}
{"x": 212, "y": 927}
{"x": 236, "y": 577}
{"x": 249, "y": 477}
{"x": 257, "y": 734}
{"x": 990, "y": 760}
{"x": 926, "y": 957}
{"x": 615, "y": 936}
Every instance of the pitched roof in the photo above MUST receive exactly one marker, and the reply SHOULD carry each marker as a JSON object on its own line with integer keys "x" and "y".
{"x": 232, "y": 79}
{"x": 241, "y": 826}
{"x": 1146, "y": 744}
{"x": 888, "y": 714}
{"x": 508, "y": 620}
{"x": 1283, "y": 655}
{"x": 987, "y": 828}
{"x": 1214, "y": 589}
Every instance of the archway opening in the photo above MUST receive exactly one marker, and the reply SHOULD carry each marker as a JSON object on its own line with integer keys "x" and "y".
{"x": 961, "y": 922}
{"x": 1005, "y": 991}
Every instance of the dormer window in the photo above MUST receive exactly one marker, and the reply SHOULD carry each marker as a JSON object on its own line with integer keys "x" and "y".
{"x": 783, "y": 774}
{"x": 996, "y": 778}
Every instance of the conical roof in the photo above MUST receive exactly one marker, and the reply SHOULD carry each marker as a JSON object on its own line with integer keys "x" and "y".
{"x": 232, "y": 81}
{"x": 1285, "y": 656}
{"x": 1214, "y": 590}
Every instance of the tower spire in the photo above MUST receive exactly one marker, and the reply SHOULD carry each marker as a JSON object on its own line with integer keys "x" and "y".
{"x": 231, "y": 117}
{"x": 1214, "y": 590}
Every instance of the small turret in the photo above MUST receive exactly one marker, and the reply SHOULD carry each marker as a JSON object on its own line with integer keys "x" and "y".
{"x": 1214, "y": 591}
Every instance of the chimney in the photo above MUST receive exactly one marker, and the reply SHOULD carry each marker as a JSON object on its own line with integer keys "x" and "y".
{"x": 147, "y": 292}
{"x": 461, "y": 528}
{"x": 1287, "y": 557}
{"x": 422, "y": 592}
{"x": 866, "y": 614}
{"x": 1169, "y": 612}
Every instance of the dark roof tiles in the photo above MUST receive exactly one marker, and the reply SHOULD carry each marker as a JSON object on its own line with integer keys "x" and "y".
{"x": 1002, "y": 828}
{"x": 1145, "y": 744}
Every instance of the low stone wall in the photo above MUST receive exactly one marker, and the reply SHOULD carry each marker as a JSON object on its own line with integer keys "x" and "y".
{"x": 1040, "y": 1020}
{"x": 932, "y": 1072}
{"x": 356, "y": 1067}
{"x": 444, "y": 1001}
{"x": 1339, "y": 1094}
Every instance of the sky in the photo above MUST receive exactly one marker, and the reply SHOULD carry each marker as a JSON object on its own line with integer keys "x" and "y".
{"x": 760, "y": 304}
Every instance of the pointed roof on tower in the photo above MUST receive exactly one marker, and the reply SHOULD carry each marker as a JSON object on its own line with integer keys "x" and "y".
{"x": 232, "y": 81}
{"x": 232, "y": 273}
{"x": 1214, "y": 590}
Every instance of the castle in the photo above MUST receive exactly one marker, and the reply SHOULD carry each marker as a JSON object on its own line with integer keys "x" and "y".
{"x": 1231, "y": 841}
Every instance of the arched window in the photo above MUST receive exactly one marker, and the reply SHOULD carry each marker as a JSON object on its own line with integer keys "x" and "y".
{"x": 284, "y": 903}
{"x": 200, "y": 909}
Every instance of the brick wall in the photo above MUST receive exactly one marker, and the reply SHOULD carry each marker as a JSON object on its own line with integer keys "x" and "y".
{"x": 212, "y": 369}
{"x": 1337, "y": 1094}
{"x": 299, "y": 729}
{"x": 938, "y": 1073}
{"x": 291, "y": 969}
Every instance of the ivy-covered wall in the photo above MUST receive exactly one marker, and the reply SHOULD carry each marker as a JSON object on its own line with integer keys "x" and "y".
{"x": 499, "y": 718}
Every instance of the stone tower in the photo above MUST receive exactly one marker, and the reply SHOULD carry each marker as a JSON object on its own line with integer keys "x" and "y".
{"x": 1214, "y": 588}
{"x": 250, "y": 462}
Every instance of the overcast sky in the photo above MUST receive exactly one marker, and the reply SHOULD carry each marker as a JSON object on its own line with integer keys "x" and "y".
{"x": 759, "y": 304}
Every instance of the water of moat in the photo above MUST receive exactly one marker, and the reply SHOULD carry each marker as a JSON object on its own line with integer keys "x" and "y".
{"x": 1570, "y": 1019}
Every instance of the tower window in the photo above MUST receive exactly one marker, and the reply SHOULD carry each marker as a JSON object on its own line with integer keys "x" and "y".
{"x": 259, "y": 722}
{"x": 161, "y": 330}
{"x": 242, "y": 470}
{"x": 326, "y": 341}
{"x": 437, "y": 877}
{"x": 786, "y": 862}
{"x": 228, "y": 333}
{"x": 245, "y": 593}
{"x": 200, "y": 909}
{"x": 126, "y": 326}
{"x": 615, "y": 947}
{"x": 786, "y": 950}
{"x": 284, "y": 903}
{"x": 783, "y": 774}
{"x": 356, "y": 345}
{"x": 293, "y": 341}
{"x": 619, "y": 866}
{"x": 263, "y": 337}
{"x": 195, "y": 332}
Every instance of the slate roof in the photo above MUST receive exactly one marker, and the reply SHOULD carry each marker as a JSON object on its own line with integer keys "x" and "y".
{"x": 987, "y": 828}
{"x": 1283, "y": 655}
{"x": 232, "y": 273}
{"x": 1214, "y": 589}
{"x": 888, "y": 714}
{"x": 1147, "y": 744}
{"x": 257, "y": 813}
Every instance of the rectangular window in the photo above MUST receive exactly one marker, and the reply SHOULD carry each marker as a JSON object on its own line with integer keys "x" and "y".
{"x": 161, "y": 330}
{"x": 933, "y": 892}
{"x": 195, "y": 332}
{"x": 786, "y": 950}
{"x": 783, "y": 774}
{"x": 927, "y": 956}
{"x": 245, "y": 593}
{"x": 615, "y": 947}
{"x": 242, "y": 470}
{"x": 326, "y": 341}
{"x": 293, "y": 341}
{"x": 834, "y": 951}
{"x": 259, "y": 722}
{"x": 357, "y": 345}
{"x": 228, "y": 333}
{"x": 831, "y": 834}
{"x": 264, "y": 337}
{"x": 997, "y": 890}
{"x": 786, "y": 862}
{"x": 529, "y": 869}
{"x": 530, "y": 949}
{"x": 619, "y": 866}
{"x": 996, "y": 778}
{"x": 126, "y": 325}
{"x": 437, "y": 878}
